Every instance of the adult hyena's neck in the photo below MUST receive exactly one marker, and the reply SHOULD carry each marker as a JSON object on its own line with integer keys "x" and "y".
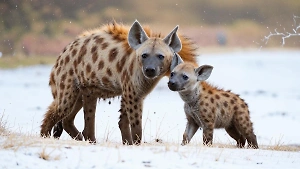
{"x": 143, "y": 84}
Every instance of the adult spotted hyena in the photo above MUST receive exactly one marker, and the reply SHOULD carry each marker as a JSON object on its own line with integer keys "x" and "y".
{"x": 208, "y": 107}
{"x": 113, "y": 60}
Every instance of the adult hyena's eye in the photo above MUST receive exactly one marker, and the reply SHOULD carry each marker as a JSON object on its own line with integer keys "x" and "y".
{"x": 144, "y": 55}
{"x": 185, "y": 77}
{"x": 161, "y": 57}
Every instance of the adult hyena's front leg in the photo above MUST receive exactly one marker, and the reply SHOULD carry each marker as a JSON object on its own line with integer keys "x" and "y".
{"x": 135, "y": 119}
{"x": 89, "y": 109}
{"x": 124, "y": 123}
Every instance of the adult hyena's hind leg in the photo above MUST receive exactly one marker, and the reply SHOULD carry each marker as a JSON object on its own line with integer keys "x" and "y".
{"x": 68, "y": 123}
{"x": 58, "y": 110}
{"x": 58, "y": 129}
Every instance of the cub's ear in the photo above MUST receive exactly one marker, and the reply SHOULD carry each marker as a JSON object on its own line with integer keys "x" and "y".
{"x": 203, "y": 72}
{"x": 175, "y": 61}
{"x": 173, "y": 40}
{"x": 136, "y": 35}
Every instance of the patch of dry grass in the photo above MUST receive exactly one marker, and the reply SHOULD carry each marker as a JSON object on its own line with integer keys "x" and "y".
{"x": 3, "y": 125}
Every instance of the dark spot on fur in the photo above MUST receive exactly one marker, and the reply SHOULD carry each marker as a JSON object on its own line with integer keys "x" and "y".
{"x": 64, "y": 50}
{"x": 93, "y": 75}
{"x": 108, "y": 71}
{"x": 232, "y": 101}
{"x": 120, "y": 64}
{"x": 211, "y": 100}
{"x": 67, "y": 59}
{"x": 86, "y": 41}
{"x": 137, "y": 122}
{"x": 100, "y": 65}
{"x": 112, "y": 54}
{"x": 235, "y": 108}
{"x": 131, "y": 68}
{"x": 223, "y": 112}
{"x": 104, "y": 46}
{"x": 82, "y": 52}
{"x": 105, "y": 80}
{"x": 226, "y": 94}
{"x": 88, "y": 68}
{"x": 94, "y": 57}
{"x": 61, "y": 62}
{"x": 98, "y": 39}
{"x": 225, "y": 104}
{"x": 62, "y": 86}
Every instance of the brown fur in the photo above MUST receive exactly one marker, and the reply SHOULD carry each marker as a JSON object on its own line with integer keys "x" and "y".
{"x": 100, "y": 64}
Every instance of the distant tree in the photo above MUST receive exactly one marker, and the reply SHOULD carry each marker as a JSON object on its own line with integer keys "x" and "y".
{"x": 286, "y": 34}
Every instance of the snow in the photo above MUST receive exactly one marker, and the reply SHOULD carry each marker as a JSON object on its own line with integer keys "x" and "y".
{"x": 268, "y": 80}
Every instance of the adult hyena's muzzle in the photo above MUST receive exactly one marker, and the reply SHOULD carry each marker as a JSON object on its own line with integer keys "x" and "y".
{"x": 150, "y": 72}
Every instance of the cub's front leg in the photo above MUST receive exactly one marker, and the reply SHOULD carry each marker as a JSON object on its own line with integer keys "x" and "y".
{"x": 190, "y": 130}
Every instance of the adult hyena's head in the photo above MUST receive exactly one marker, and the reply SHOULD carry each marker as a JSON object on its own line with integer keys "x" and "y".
{"x": 154, "y": 54}
{"x": 184, "y": 76}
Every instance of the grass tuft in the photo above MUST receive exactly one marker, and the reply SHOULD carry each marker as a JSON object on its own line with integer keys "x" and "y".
{"x": 48, "y": 155}
{"x": 3, "y": 126}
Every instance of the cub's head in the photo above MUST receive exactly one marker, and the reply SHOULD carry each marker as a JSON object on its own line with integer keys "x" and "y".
{"x": 154, "y": 54}
{"x": 184, "y": 76}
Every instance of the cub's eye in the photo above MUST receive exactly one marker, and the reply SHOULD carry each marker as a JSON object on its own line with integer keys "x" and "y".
{"x": 144, "y": 55}
{"x": 172, "y": 74}
{"x": 185, "y": 77}
{"x": 161, "y": 57}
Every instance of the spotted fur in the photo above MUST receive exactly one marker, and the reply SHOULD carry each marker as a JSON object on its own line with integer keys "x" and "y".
{"x": 105, "y": 63}
{"x": 209, "y": 107}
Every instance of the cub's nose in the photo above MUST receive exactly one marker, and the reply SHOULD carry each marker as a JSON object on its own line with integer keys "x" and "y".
{"x": 172, "y": 86}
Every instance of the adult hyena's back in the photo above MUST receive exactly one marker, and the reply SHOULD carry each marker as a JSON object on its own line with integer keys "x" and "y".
{"x": 95, "y": 59}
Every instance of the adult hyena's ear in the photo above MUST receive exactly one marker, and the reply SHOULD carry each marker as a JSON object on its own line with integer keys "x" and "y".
{"x": 175, "y": 61}
{"x": 173, "y": 40}
{"x": 136, "y": 35}
{"x": 203, "y": 72}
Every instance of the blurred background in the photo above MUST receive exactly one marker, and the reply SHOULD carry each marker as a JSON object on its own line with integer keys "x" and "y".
{"x": 41, "y": 28}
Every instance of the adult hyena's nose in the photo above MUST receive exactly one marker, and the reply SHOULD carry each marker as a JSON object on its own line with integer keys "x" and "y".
{"x": 150, "y": 72}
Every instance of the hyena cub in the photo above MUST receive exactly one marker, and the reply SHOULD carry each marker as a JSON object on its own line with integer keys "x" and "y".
{"x": 209, "y": 107}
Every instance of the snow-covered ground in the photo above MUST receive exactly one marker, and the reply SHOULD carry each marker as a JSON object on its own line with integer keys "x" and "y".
{"x": 268, "y": 81}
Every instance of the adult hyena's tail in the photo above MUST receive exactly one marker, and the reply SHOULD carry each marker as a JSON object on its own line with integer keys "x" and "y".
{"x": 50, "y": 119}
